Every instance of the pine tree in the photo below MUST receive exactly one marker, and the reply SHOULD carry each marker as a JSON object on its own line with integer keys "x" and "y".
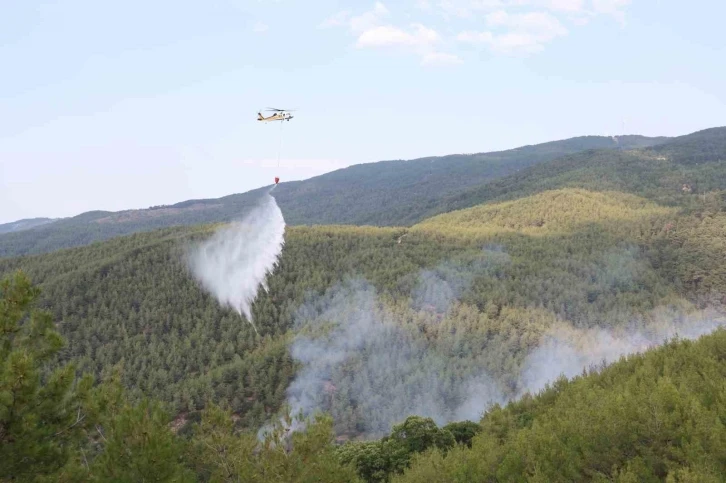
{"x": 41, "y": 412}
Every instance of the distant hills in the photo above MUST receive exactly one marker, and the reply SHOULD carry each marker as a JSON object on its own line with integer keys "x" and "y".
{"x": 96, "y": 226}
{"x": 385, "y": 193}
{"x": 25, "y": 224}
{"x": 391, "y": 193}
{"x": 669, "y": 173}
{"x": 401, "y": 193}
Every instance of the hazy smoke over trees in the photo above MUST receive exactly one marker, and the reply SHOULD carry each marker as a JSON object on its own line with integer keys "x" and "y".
{"x": 567, "y": 351}
{"x": 353, "y": 350}
{"x": 372, "y": 361}
{"x": 438, "y": 288}
{"x": 234, "y": 262}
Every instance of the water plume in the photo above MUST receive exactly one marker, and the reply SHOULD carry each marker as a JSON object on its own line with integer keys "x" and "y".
{"x": 236, "y": 260}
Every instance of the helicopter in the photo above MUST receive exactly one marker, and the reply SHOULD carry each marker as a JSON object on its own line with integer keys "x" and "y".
{"x": 279, "y": 115}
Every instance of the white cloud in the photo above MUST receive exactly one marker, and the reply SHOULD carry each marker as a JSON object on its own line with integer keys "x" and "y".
{"x": 565, "y": 5}
{"x": 336, "y": 20}
{"x": 424, "y": 5}
{"x": 516, "y": 43}
{"x": 454, "y": 8}
{"x": 580, "y": 20}
{"x": 571, "y": 6}
{"x": 440, "y": 59}
{"x": 373, "y": 31}
{"x": 574, "y": 9}
{"x": 370, "y": 19}
{"x": 383, "y": 36}
{"x": 524, "y": 33}
{"x": 358, "y": 23}
{"x": 541, "y": 25}
{"x": 467, "y": 8}
{"x": 508, "y": 43}
{"x": 475, "y": 37}
{"x": 486, "y": 4}
{"x": 497, "y": 18}
{"x": 611, "y": 7}
{"x": 260, "y": 27}
{"x": 511, "y": 26}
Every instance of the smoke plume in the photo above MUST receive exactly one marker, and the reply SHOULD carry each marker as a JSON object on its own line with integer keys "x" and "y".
{"x": 354, "y": 349}
{"x": 235, "y": 261}
{"x": 372, "y": 360}
{"x": 365, "y": 361}
{"x": 439, "y": 287}
{"x": 566, "y": 351}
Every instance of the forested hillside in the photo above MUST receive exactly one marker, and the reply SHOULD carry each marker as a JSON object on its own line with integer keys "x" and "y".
{"x": 26, "y": 224}
{"x": 402, "y": 192}
{"x": 383, "y": 193}
{"x": 95, "y": 226}
{"x": 464, "y": 294}
{"x": 404, "y": 336}
{"x": 650, "y": 417}
{"x": 669, "y": 174}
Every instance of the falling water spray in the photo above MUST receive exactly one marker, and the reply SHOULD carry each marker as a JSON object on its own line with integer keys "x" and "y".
{"x": 235, "y": 262}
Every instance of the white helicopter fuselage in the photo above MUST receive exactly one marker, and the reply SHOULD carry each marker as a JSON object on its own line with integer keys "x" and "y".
{"x": 282, "y": 116}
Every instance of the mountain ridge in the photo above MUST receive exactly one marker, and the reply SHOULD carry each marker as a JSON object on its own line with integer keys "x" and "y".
{"x": 383, "y": 193}
{"x": 667, "y": 173}
{"x": 25, "y": 224}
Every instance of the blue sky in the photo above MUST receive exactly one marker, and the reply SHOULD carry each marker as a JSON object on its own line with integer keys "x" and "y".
{"x": 117, "y": 105}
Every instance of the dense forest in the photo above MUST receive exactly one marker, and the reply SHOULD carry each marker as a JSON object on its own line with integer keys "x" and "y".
{"x": 468, "y": 346}
{"x": 656, "y": 416}
{"x": 652, "y": 417}
{"x": 466, "y": 293}
{"x": 383, "y": 193}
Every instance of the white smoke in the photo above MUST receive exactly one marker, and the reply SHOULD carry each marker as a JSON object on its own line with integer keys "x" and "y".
{"x": 368, "y": 366}
{"x": 566, "y": 351}
{"x": 438, "y": 288}
{"x": 352, "y": 345}
{"x": 237, "y": 259}
{"x": 371, "y": 361}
